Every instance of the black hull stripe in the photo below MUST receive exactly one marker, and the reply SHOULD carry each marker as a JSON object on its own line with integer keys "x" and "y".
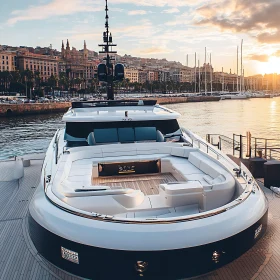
{"x": 99, "y": 263}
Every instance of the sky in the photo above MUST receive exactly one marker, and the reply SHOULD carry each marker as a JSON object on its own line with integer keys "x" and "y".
{"x": 170, "y": 29}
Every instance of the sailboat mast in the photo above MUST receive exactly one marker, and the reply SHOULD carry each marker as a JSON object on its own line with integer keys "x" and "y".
{"x": 195, "y": 73}
{"x": 241, "y": 73}
{"x": 198, "y": 77}
{"x": 223, "y": 79}
{"x": 211, "y": 74}
{"x": 205, "y": 80}
{"x": 237, "y": 85}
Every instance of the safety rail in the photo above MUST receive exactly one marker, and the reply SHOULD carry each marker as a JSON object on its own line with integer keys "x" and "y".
{"x": 208, "y": 148}
{"x": 246, "y": 146}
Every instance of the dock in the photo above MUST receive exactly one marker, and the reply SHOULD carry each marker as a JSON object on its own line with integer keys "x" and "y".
{"x": 10, "y": 110}
{"x": 20, "y": 260}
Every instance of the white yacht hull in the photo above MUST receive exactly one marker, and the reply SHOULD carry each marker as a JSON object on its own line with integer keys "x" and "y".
{"x": 171, "y": 250}
{"x": 106, "y": 245}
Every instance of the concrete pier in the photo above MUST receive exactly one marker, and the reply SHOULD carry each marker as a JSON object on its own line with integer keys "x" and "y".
{"x": 9, "y": 110}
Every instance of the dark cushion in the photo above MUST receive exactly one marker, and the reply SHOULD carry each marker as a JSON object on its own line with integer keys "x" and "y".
{"x": 106, "y": 135}
{"x": 145, "y": 134}
{"x": 126, "y": 134}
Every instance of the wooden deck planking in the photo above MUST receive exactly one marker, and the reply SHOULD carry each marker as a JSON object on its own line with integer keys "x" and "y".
{"x": 20, "y": 260}
{"x": 148, "y": 184}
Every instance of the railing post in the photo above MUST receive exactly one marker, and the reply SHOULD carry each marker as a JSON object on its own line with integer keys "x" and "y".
{"x": 220, "y": 143}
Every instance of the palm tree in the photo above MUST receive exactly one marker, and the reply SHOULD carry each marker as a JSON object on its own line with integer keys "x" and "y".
{"x": 5, "y": 79}
{"x": 52, "y": 82}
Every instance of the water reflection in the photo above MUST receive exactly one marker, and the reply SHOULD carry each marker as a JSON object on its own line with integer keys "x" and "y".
{"x": 21, "y": 135}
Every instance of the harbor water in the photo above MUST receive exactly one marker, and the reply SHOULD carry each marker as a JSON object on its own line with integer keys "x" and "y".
{"x": 260, "y": 116}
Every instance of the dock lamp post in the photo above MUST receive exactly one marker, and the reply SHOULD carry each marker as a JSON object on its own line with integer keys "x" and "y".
{"x": 105, "y": 71}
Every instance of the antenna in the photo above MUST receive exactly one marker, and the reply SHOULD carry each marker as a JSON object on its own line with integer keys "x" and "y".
{"x": 107, "y": 48}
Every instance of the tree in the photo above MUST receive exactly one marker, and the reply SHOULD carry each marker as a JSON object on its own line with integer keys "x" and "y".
{"x": 52, "y": 82}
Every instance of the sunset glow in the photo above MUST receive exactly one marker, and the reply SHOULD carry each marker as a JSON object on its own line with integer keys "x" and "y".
{"x": 154, "y": 29}
{"x": 272, "y": 66}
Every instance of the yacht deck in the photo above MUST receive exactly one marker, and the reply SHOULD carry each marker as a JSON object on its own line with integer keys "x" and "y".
{"x": 20, "y": 260}
{"x": 148, "y": 184}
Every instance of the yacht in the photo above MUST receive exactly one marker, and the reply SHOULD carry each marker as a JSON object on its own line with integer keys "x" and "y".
{"x": 235, "y": 95}
{"x": 126, "y": 191}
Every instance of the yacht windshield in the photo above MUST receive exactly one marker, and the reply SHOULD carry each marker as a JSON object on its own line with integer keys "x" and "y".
{"x": 83, "y": 129}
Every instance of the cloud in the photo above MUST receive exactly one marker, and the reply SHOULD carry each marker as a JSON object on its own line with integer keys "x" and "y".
{"x": 260, "y": 18}
{"x": 154, "y": 50}
{"x": 259, "y": 57}
{"x": 137, "y": 12}
{"x": 171, "y": 11}
{"x": 54, "y": 8}
{"x": 156, "y": 3}
{"x": 277, "y": 53}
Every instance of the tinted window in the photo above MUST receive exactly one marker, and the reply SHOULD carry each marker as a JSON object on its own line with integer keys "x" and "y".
{"x": 83, "y": 129}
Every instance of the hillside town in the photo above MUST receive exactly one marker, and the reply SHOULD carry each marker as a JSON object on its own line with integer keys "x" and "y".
{"x": 26, "y": 69}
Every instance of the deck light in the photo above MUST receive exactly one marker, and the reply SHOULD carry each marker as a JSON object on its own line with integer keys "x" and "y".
{"x": 141, "y": 266}
{"x": 216, "y": 256}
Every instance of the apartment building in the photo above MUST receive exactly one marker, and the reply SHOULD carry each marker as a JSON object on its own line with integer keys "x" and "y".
{"x": 44, "y": 64}
{"x": 8, "y": 61}
{"x": 132, "y": 75}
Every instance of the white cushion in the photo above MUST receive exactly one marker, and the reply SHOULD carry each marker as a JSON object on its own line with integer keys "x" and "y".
{"x": 218, "y": 180}
{"x": 182, "y": 188}
{"x": 194, "y": 158}
{"x": 178, "y": 152}
{"x": 208, "y": 179}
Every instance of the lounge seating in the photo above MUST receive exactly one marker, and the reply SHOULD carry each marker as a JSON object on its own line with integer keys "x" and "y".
{"x": 218, "y": 184}
{"x": 204, "y": 184}
{"x": 182, "y": 194}
{"x": 122, "y": 135}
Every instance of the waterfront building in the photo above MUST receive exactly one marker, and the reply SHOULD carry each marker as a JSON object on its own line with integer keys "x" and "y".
{"x": 186, "y": 75}
{"x": 8, "y": 60}
{"x": 175, "y": 75}
{"x": 164, "y": 75}
{"x": 78, "y": 64}
{"x": 151, "y": 76}
{"x": 142, "y": 76}
{"x": 132, "y": 75}
{"x": 45, "y": 65}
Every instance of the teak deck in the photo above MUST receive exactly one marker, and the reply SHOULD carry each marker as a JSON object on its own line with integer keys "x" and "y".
{"x": 20, "y": 260}
{"x": 148, "y": 184}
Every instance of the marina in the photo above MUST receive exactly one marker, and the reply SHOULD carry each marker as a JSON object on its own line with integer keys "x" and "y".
{"x": 257, "y": 263}
{"x": 121, "y": 186}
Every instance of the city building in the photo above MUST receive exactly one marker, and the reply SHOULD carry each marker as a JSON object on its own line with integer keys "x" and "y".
{"x": 78, "y": 64}
{"x": 8, "y": 60}
{"x": 142, "y": 76}
{"x": 132, "y": 75}
{"x": 45, "y": 65}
